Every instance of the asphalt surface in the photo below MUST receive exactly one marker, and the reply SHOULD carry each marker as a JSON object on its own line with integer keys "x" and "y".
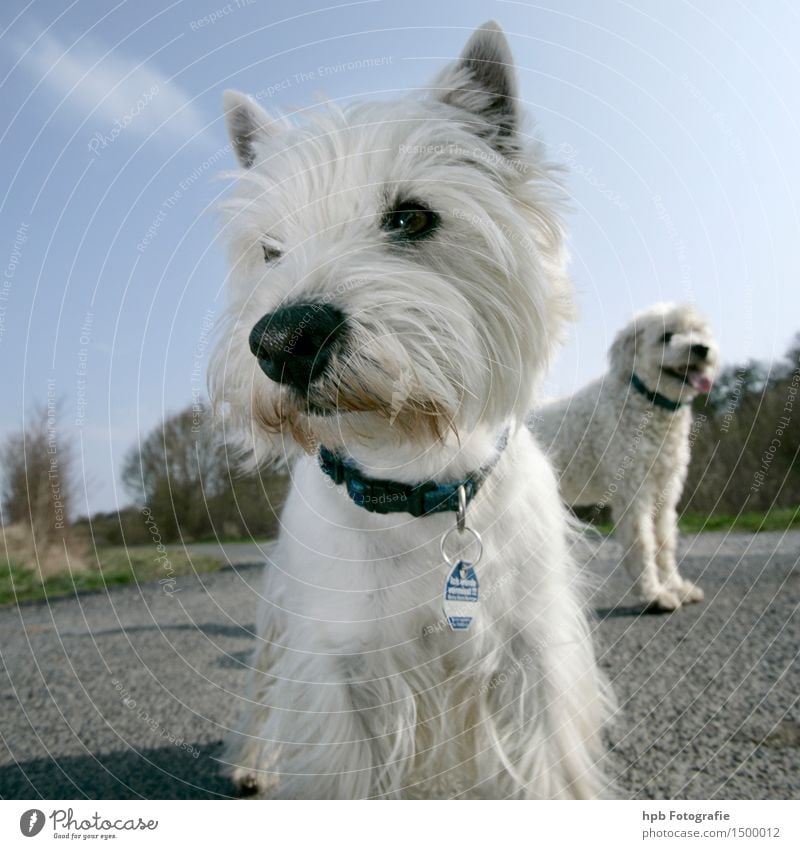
{"x": 128, "y": 694}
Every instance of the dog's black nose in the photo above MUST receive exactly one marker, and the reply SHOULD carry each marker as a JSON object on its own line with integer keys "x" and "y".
{"x": 700, "y": 351}
{"x": 293, "y": 344}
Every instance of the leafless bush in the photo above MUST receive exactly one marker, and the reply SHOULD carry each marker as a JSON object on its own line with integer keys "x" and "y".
{"x": 38, "y": 471}
{"x": 182, "y": 473}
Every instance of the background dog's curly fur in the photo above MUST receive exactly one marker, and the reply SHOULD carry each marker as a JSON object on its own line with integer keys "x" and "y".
{"x": 613, "y": 447}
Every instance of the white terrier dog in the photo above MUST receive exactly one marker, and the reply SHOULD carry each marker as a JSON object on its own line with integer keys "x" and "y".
{"x": 623, "y": 441}
{"x": 398, "y": 283}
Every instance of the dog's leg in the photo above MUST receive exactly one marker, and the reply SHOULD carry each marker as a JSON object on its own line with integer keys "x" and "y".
{"x": 666, "y": 529}
{"x": 635, "y": 530}
{"x": 302, "y": 737}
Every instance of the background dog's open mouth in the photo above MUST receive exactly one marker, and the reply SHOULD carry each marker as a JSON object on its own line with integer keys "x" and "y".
{"x": 698, "y": 380}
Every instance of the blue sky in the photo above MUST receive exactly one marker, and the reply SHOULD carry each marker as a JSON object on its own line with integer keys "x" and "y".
{"x": 679, "y": 123}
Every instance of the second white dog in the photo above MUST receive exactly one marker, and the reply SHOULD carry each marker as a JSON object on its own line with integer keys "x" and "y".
{"x": 623, "y": 441}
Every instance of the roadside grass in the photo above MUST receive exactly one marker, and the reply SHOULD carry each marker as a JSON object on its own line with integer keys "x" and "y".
{"x": 212, "y": 540}
{"x": 109, "y": 567}
{"x": 118, "y": 565}
{"x": 779, "y": 519}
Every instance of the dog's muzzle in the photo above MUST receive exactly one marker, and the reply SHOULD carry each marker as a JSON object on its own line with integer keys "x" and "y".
{"x": 294, "y": 344}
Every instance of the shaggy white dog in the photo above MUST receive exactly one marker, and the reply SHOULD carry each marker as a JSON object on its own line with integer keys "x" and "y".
{"x": 623, "y": 441}
{"x": 398, "y": 283}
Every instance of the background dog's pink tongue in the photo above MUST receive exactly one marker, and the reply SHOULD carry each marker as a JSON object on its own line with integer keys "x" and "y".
{"x": 699, "y": 381}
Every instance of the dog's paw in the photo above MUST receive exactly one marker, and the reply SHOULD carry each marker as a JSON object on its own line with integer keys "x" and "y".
{"x": 248, "y": 785}
{"x": 690, "y": 592}
{"x": 663, "y": 601}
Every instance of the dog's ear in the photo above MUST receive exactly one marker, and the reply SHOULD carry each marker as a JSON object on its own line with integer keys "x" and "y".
{"x": 483, "y": 81}
{"x": 622, "y": 353}
{"x": 247, "y": 123}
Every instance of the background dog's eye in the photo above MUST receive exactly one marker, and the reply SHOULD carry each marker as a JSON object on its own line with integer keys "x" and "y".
{"x": 412, "y": 220}
{"x": 271, "y": 254}
{"x": 666, "y": 338}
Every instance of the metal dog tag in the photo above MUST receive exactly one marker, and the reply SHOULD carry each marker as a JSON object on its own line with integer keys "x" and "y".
{"x": 461, "y": 596}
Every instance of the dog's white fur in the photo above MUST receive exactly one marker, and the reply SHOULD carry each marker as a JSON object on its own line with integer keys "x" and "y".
{"x": 358, "y": 688}
{"x": 612, "y": 446}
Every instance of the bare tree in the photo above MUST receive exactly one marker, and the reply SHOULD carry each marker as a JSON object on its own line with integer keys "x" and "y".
{"x": 182, "y": 474}
{"x": 176, "y": 470}
{"x": 37, "y": 466}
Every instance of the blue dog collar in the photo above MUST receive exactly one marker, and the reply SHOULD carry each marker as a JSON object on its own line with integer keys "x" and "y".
{"x": 387, "y": 496}
{"x": 654, "y": 397}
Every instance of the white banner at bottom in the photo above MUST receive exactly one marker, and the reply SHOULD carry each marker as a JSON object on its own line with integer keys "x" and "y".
{"x": 491, "y": 825}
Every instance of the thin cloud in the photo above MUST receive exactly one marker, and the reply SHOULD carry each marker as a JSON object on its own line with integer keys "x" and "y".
{"x": 122, "y": 94}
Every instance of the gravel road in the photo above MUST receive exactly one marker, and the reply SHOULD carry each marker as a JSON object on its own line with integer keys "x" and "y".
{"x": 127, "y": 694}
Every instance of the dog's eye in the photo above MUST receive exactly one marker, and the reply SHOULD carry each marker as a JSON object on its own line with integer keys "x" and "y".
{"x": 270, "y": 253}
{"x": 410, "y": 220}
{"x": 666, "y": 338}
